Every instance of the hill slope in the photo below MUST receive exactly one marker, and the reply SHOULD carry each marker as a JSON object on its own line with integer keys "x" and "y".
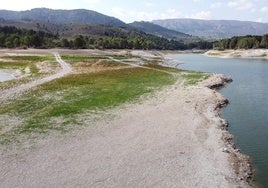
{"x": 61, "y": 16}
{"x": 70, "y": 30}
{"x": 214, "y": 28}
{"x": 158, "y": 30}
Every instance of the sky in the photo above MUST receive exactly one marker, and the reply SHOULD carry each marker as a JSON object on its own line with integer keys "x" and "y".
{"x": 148, "y": 10}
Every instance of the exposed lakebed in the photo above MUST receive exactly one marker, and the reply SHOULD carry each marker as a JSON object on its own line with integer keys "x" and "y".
{"x": 248, "y": 108}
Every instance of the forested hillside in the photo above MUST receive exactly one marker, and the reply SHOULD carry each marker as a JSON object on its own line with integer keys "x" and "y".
{"x": 151, "y": 28}
{"x": 12, "y": 37}
{"x": 247, "y": 42}
{"x": 61, "y": 16}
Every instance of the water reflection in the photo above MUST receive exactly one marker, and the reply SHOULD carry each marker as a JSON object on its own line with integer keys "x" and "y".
{"x": 6, "y": 76}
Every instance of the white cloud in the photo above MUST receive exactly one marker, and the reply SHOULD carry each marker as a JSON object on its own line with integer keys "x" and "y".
{"x": 148, "y": 4}
{"x": 22, "y": 5}
{"x": 216, "y": 5}
{"x": 201, "y": 15}
{"x": 172, "y": 13}
{"x": 264, "y": 9}
{"x": 241, "y": 4}
{"x": 149, "y": 16}
{"x": 118, "y": 11}
{"x": 145, "y": 16}
{"x": 259, "y": 20}
{"x": 91, "y": 1}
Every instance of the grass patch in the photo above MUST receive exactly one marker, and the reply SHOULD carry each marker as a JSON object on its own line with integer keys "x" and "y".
{"x": 214, "y": 54}
{"x": 21, "y": 63}
{"x": 75, "y": 58}
{"x": 94, "y": 58}
{"x": 192, "y": 78}
{"x": 164, "y": 68}
{"x": 102, "y": 63}
{"x": 57, "y": 104}
{"x": 13, "y": 65}
{"x": 30, "y": 58}
{"x": 67, "y": 97}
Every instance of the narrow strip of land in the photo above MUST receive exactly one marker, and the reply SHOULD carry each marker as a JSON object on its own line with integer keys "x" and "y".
{"x": 16, "y": 91}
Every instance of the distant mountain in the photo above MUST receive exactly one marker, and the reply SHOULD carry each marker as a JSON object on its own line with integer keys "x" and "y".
{"x": 71, "y": 30}
{"x": 158, "y": 30}
{"x": 69, "y": 23}
{"x": 216, "y": 29}
{"x": 61, "y": 16}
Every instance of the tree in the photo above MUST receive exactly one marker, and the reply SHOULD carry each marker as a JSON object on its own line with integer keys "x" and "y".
{"x": 26, "y": 41}
{"x": 79, "y": 42}
{"x": 264, "y": 41}
{"x": 9, "y": 43}
{"x": 64, "y": 43}
{"x": 16, "y": 42}
{"x": 233, "y": 43}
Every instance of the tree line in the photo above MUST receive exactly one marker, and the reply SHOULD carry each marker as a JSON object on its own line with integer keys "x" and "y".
{"x": 147, "y": 42}
{"x": 244, "y": 42}
{"x": 12, "y": 37}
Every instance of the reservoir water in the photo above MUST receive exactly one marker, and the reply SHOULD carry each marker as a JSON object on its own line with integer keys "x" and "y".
{"x": 247, "y": 112}
{"x": 5, "y": 76}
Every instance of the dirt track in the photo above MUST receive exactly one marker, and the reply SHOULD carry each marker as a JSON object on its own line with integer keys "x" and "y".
{"x": 14, "y": 92}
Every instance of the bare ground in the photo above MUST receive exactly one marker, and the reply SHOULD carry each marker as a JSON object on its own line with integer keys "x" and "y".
{"x": 239, "y": 53}
{"x": 173, "y": 139}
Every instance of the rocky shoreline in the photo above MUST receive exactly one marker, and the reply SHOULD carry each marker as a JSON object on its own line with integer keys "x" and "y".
{"x": 241, "y": 163}
{"x": 240, "y": 53}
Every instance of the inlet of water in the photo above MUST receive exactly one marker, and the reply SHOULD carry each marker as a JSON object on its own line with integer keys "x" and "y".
{"x": 5, "y": 76}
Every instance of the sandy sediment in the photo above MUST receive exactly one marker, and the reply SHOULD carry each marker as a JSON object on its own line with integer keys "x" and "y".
{"x": 240, "y": 53}
{"x": 174, "y": 138}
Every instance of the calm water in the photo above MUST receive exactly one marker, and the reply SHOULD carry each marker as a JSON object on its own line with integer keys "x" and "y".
{"x": 5, "y": 76}
{"x": 247, "y": 112}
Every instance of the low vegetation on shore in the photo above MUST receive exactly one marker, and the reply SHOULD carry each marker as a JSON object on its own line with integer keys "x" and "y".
{"x": 98, "y": 83}
{"x": 26, "y": 68}
{"x": 13, "y": 37}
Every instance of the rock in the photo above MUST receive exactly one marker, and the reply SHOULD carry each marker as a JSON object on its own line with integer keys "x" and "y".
{"x": 225, "y": 150}
{"x": 217, "y": 81}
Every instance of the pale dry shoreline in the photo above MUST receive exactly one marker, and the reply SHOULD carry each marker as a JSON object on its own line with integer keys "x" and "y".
{"x": 240, "y": 53}
{"x": 173, "y": 138}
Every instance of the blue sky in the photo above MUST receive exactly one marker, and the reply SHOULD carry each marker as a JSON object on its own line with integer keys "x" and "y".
{"x": 147, "y": 10}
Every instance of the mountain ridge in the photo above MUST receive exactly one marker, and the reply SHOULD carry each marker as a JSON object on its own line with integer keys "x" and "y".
{"x": 62, "y": 16}
{"x": 217, "y": 29}
{"x": 177, "y": 29}
{"x": 158, "y": 30}
{"x": 78, "y": 21}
